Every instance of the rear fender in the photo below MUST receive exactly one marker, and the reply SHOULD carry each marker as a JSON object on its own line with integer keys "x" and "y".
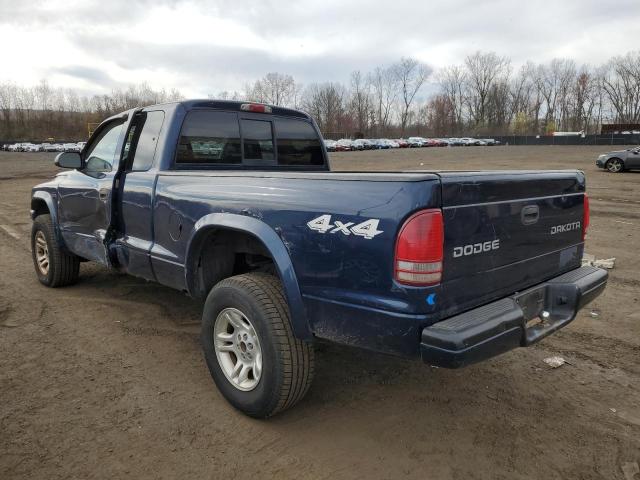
{"x": 274, "y": 245}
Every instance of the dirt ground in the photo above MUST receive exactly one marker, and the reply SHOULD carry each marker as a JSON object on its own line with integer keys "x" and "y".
{"x": 105, "y": 379}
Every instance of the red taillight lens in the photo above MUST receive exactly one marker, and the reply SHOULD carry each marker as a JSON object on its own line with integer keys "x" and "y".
{"x": 418, "y": 259}
{"x": 255, "y": 107}
{"x": 585, "y": 217}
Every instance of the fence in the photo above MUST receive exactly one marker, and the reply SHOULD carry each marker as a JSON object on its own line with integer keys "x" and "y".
{"x": 611, "y": 139}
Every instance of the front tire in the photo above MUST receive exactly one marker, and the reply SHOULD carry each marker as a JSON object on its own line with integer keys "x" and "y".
{"x": 252, "y": 355}
{"x": 54, "y": 266}
{"x": 614, "y": 165}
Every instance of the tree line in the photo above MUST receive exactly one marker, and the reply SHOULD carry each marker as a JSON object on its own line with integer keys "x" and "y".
{"x": 41, "y": 112}
{"x": 483, "y": 95}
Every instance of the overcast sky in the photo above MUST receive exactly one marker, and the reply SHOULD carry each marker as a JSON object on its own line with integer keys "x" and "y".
{"x": 204, "y": 47}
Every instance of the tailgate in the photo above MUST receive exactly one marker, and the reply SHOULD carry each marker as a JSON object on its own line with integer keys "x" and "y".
{"x": 506, "y": 231}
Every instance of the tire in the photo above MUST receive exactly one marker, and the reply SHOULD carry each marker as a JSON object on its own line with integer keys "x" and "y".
{"x": 614, "y": 165}
{"x": 286, "y": 365}
{"x": 62, "y": 268}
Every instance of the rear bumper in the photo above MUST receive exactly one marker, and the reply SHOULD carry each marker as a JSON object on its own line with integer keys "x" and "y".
{"x": 508, "y": 323}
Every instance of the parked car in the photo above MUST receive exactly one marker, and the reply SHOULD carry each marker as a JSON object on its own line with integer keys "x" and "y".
{"x": 456, "y": 142}
{"x": 70, "y": 147}
{"x": 620, "y": 160}
{"x": 358, "y": 144}
{"x": 17, "y": 147}
{"x": 379, "y": 144}
{"x": 402, "y": 143}
{"x": 344, "y": 145}
{"x": 330, "y": 145}
{"x": 491, "y": 142}
{"x": 286, "y": 253}
{"x": 416, "y": 142}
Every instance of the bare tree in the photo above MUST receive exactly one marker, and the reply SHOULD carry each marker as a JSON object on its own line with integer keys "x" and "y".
{"x": 383, "y": 85}
{"x": 483, "y": 71}
{"x": 325, "y": 102}
{"x": 360, "y": 103}
{"x": 452, "y": 81}
{"x": 621, "y": 85}
{"x": 410, "y": 75}
{"x": 276, "y": 89}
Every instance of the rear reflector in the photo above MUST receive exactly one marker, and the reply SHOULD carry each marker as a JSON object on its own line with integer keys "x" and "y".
{"x": 585, "y": 217}
{"x": 255, "y": 107}
{"x": 418, "y": 259}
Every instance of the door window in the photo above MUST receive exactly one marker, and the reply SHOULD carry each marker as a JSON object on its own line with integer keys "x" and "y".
{"x": 101, "y": 155}
{"x": 145, "y": 148}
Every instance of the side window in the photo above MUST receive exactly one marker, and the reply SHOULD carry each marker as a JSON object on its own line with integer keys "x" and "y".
{"x": 100, "y": 156}
{"x": 298, "y": 143}
{"x": 147, "y": 141}
{"x": 210, "y": 137}
{"x": 258, "y": 142}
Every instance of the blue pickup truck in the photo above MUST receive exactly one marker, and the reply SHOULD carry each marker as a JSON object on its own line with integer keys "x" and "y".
{"x": 235, "y": 203}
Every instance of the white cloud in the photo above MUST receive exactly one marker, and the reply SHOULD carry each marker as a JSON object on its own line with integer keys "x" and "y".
{"x": 201, "y": 47}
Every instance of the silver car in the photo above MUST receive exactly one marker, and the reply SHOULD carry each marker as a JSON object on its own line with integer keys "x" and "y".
{"x": 620, "y": 160}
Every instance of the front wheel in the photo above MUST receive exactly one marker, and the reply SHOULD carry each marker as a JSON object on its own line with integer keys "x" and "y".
{"x": 252, "y": 355}
{"x": 54, "y": 266}
{"x": 614, "y": 165}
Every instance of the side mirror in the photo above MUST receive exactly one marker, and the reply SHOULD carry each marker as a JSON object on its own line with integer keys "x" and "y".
{"x": 68, "y": 160}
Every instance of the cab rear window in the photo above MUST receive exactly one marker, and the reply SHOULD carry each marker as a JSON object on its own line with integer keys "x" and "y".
{"x": 210, "y": 137}
{"x": 218, "y": 138}
{"x": 298, "y": 143}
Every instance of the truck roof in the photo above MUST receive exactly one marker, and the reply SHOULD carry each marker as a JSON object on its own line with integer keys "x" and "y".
{"x": 233, "y": 105}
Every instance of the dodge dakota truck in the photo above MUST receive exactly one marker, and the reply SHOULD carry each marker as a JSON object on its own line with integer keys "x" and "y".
{"x": 235, "y": 204}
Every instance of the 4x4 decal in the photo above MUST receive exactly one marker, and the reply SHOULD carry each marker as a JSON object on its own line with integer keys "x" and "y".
{"x": 367, "y": 229}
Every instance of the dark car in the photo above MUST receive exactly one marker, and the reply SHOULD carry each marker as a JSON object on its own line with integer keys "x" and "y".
{"x": 620, "y": 160}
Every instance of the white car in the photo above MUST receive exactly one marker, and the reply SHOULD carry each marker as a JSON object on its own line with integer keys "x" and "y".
{"x": 33, "y": 147}
{"x": 468, "y": 141}
{"x": 344, "y": 144}
{"x": 416, "y": 141}
{"x": 21, "y": 147}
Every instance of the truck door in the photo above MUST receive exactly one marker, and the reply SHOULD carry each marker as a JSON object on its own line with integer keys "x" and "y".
{"x": 135, "y": 225}
{"x": 84, "y": 195}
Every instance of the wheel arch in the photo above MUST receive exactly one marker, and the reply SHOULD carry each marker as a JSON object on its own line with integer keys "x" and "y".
{"x": 215, "y": 223}
{"x": 42, "y": 204}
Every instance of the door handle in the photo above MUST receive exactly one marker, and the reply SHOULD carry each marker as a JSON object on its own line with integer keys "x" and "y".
{"x": 530, "y": 214}
{"x": 103, "y": 193}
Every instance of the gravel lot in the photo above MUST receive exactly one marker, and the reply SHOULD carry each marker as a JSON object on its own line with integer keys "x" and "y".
{"x": 105, "y": 379}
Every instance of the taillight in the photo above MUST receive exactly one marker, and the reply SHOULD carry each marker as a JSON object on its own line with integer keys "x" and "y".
{"x": 255, "y": 107}
{"x": 585, "y": 217}
{"x": 419, "y": 247}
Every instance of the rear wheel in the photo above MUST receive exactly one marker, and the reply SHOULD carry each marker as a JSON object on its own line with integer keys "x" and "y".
{"x": 54, "y": 266}
{"x": 614, "y": 165}
{"x": 252, "y": 355}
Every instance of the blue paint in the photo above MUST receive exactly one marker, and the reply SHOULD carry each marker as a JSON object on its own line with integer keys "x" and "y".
{"x": 339, "y": 287}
